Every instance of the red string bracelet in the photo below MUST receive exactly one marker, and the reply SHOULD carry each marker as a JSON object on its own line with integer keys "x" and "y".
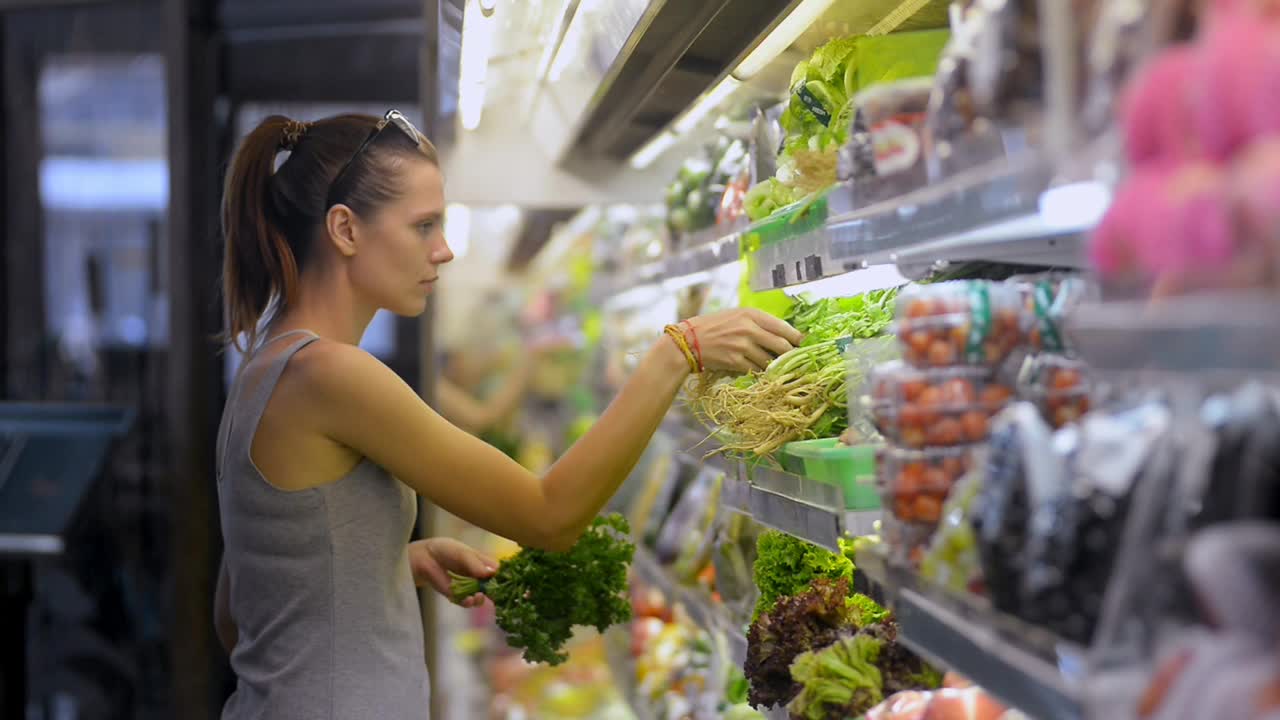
{"x": 697, "y": 347}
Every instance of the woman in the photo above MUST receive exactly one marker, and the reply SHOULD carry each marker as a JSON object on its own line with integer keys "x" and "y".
{"x": 322, "y": 448}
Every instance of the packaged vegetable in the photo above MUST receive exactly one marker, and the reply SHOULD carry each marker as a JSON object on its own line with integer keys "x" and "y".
{"x": 1240, "y": 481}
{"x": 962, "y": 322}
{"x": 1060, "y": 386}
{"x": 1075, "y": 537}
{"x": 952, "y": 559}
{"x": 935, "y": 407}
{"x": 915, "y": 483}
{"x": 885, "y": 152}
{"x": 1001, "y": 513}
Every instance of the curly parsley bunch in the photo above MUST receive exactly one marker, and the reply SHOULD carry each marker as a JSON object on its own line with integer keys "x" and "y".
{"x": 539, "y": 596}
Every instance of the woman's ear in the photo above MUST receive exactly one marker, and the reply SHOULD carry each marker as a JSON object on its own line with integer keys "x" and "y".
{"x": 340, "y": 224}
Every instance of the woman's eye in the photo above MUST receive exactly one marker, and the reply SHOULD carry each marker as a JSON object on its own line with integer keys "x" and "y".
{"x": 427, "y": 226}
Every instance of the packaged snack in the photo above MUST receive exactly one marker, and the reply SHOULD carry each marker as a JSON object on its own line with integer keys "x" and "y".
{"x": 935, "y": 407}
{"x": 963, "y": 322}
{"x": 915, "y": 483}
{"x": 1058, "y": 385}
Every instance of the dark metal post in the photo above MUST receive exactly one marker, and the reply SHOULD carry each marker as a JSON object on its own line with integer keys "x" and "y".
{"x": 194, "y": 380}
{"x": 23, "y": 223}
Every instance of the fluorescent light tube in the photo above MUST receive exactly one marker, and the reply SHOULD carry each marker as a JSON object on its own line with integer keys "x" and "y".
{"x": 782, "y": 37}
{"x": 473, "y": 66}
{"x": 645, "y": 156}
{"x": 704, "y": 105}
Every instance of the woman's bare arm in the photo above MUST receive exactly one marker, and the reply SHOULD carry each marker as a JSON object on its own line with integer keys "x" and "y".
{"x": 359, "y": 402}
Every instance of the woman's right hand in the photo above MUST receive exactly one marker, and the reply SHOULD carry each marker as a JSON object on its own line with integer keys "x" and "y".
{"x": 741, "y": 340}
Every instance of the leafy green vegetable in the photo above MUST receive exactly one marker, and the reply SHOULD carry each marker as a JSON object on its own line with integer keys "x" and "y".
{"x": 539, "y": 596}
{"x": 768, "y": 197}
{"x": 900, "y": 668}
{"x": 861, "y": 316}
{"x": 802, "y": 394}
{"x": 786, "y": 565}
{"x": 741, "y": 711}
{"x": 868, "y": 611}
{"x": 840, "y": 680}
{"x": 822, "y": 77}
{"x": 809, "y": 620}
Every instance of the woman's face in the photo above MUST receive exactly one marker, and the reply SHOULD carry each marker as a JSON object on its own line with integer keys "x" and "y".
{"x": 402, "y": 246}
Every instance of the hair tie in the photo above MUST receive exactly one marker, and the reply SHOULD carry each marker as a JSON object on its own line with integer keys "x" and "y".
{"x": 293, "y": 132}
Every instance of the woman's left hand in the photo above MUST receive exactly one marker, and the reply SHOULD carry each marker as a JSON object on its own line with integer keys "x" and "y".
{"x": 432, "y": 560}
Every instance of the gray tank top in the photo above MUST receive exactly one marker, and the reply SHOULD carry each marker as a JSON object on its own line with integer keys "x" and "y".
{"x": 321, "y": 590}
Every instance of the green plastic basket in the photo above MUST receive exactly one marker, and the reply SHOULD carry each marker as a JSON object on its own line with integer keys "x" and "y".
{"x": 852, "y": 468}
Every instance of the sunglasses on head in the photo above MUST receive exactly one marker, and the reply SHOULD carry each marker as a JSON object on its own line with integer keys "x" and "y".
{"x": 393, "y": 117}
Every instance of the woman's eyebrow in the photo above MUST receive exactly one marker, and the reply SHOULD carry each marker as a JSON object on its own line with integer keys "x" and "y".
{"x": 433, "y": 215}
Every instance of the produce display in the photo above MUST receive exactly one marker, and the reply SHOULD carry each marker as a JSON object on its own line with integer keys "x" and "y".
{"x": 915, "y": 483}
{"x": 935, "y": 407}
{"x": 802, "y": 394}
{"x": 1074, "y": 504}
{"x": 696, "y": 196}
{"x": 821, "y": 105}
{"x": 540, "y": 596}
{"x": 1059, "y": 386}
{"x": 796, "y": 624}
{"x": 972, "y": 322}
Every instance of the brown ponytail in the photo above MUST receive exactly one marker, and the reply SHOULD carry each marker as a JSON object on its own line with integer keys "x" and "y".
{"x": 270, "y": 215}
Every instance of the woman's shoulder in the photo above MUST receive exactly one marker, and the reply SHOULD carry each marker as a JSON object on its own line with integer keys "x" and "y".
{"x": 327, "y": 372}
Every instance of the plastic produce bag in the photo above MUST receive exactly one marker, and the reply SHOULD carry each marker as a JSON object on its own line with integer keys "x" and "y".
{"x": 1020, "y": 447}
{"x": 1078, "y": 534}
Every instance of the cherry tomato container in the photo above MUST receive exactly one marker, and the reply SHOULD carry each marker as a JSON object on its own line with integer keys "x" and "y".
{"x": 935, "y": 407}
{"x": 963, "y": 322}
{"x": 915, "y": 483}
{"x": 907, "y": 543}
{"x": 1060, "y": 386}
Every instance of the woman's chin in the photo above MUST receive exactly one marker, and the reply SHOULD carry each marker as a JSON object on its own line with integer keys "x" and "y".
{"x": 410, "y": 308}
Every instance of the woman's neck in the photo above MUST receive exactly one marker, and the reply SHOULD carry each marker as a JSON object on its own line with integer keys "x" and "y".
{"x": 327, "y": 306}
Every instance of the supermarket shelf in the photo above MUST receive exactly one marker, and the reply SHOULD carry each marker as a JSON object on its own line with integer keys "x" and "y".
{"x": 1019, "y": 664}
{"x": 702, "y": 257}
{"x": 1002, "y": 213}
{"x": 1231, "y": 335}
{"x": 698, "y": 604}
{"x": 796, "y": 505}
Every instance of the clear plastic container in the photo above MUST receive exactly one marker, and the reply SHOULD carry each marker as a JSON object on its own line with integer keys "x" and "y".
{"x": 915, "y": 483}
{"x": 937, "y": 407}
{"x": 1060, "y": 386}
{"x": 964, "y": 322}
{"x": 1047, "y": 300}
{"x": 906, "y": 542}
